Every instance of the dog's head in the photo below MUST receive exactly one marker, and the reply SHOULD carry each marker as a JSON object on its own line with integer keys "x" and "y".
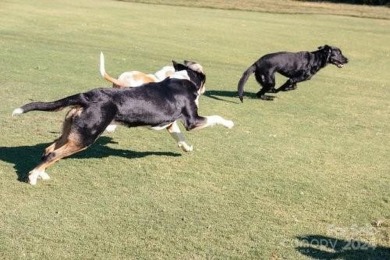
{"x": 334, "y": 55}
{"x": 192, "y": 71}
{"x": 194, "y": 66}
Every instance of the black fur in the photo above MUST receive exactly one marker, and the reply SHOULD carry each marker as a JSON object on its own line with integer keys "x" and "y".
{"x": 298, "y": 67}
{"x": 153, "y": 104}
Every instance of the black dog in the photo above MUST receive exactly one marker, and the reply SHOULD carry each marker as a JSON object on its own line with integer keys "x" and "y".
{"x": 298, "y": 67}
{"x": 155, "y": 105}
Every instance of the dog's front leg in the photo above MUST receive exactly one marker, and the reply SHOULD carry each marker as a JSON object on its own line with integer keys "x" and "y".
{"x": 175, "y": 132}
{"x": 287, "y": 86}
{"x": 202, "y": 122}
{"x": 291, "y": 84}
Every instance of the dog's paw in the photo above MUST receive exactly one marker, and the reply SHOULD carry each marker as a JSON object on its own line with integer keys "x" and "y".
{"x": 111, "y": 128}
{"x": 185, "y": 147}
{"x": 290, "y": 88}
{"x": 267, "y": 98}
{"x": 44, "y": 176}
{"x": 33, "y": 177}
{"x": 228, "y": 124}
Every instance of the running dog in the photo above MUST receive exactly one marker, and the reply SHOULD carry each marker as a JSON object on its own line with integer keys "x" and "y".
{"x": 156, "y": 105}
{"x": 298, "y": 67}
{"x": 137, "y": 78}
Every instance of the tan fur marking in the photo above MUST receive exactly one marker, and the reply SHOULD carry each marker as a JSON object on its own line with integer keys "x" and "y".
{"x": 66, "y": 127}
{"x": 65, "y": 150}
{"x": 143, "y": 77}
{"x": 116, "y": 83}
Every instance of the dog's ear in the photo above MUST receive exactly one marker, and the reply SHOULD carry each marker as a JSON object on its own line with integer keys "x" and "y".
{"x": 178, "y": 66}
{"x": 188, "y": 62}
{"x": 174, "y": 63}
{"x": 328, "y": 51}
{"x": 326, "y": 46}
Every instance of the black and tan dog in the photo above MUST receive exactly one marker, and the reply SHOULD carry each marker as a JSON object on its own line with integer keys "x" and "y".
{"x": 136, "y": 78}
{"x": 297, "y": 66}
{"x": 156, "y": 105}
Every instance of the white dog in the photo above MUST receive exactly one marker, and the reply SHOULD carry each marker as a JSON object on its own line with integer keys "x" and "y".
{"x": 135, "y": 78}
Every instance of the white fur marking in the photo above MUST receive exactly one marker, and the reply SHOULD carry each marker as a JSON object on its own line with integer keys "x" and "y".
{"x": 180, "y": 75}
{"x": 175, "y": 132}
{"x": 111, "y": 128}
{"x": 217, "y": 120}
{"x": 158, "y": 128}
{"x": 165, "y": 72}
{"x": 196, "y": 67}
{"x": 197, "y": 101}
{"x": 33, "y": 176}
{"x": 185, "y": 147}
{"x": 102, "y": 67}
{"x": 17, "y": 111}
{"x": 228, "y": 124}
{"x": 44, "y": 176}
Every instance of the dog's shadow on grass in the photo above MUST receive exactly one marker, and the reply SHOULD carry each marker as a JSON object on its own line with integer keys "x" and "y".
{"x": 325, "y": 247}
{"x": 219, "y": 94}
{"x": 25, "y": 158}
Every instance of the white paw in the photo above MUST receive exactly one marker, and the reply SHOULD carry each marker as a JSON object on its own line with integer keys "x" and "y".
{"x": 111, "y": 128}
{"x": 229, "y": 124}
{"x": 33, "y": 177}
{"x": 185, "y": 147}
{"x": 44, "y": 176}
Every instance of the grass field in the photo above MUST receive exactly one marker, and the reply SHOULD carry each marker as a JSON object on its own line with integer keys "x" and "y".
{"x": 305, "y": 176}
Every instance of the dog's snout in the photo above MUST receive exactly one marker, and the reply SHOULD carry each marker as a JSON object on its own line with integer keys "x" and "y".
{"x": 344, "y": 59}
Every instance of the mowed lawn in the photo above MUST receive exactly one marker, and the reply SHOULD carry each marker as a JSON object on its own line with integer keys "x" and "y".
{"x": 304, "y": 176}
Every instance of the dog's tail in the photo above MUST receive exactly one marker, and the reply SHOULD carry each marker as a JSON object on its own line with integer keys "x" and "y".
{"x": 75, "y": 100}
{"x": 243, "y": 80}
{"x": 116, "y": 83}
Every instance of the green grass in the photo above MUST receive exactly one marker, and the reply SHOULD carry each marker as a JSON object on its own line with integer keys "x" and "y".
{"x": 311, "y": 165}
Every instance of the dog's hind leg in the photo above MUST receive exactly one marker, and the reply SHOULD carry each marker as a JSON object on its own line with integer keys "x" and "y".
{"x": 66, "y": 127}
{"x": 70, "y": 147}
{"x": 267, "y": 81}
{"x": 175, "y": 132}
{"x": 75, "y": 138}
